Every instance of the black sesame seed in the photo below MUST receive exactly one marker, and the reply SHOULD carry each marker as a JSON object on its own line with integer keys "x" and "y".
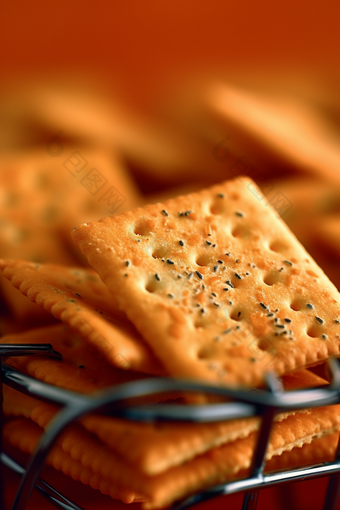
{"x": 170, "y": 295}
{"x": 310, "y": 306}
{"x": 226, "y": 288}
{"x": 220, "y": 195}
{"x": 288, "y": 320}
{"x": 214, "y": 294}
{"x": 240, "y": 214}
{"x": 216, "y": 304}
{"x": 230, "y": 302}
{"x": 208, "y": 243}
{"x": 74, "y": 228}
{"x": 157, "y": 277}
{"x": 270, "y": 314}
{"x": 226, "y": 331}
{"x": 214, "y": 245}
{"x": 324, "y": 337}
{"x": 202, "y": 311}
{"x": 186, "y": 213}
{"x": 181, "y": 243}
{"x": 215, "y": 268}
{"x": 280, "y": 325}
{"x": 247, "y": 274}
{"x": 337, "y": 321}
{"x": 276, "y": 320}
{"x": 220, "y": 261}
{"x": 164, "y": 212}
{"x": 190, "y": 275}
{"x": 238, "y": 276}
{"x": 263, "y": 306}
{"x": 281, "y": 269}
{"x": 288, "y": 262}
{"x": 237, "y": 327}
{"x": 319, "y": 319}
{"x": 127, "y": 263}
{"x": 200, "y": 276}
{"x": 169, "y": 261}
{"x": 237, "y": 260}
{"x": 81, "y": 366}
{"x": 228, "y": 282}
{"x": 239, "y": 313}
{"x": 203, "y": 286}
{"x": 228, "y": 254}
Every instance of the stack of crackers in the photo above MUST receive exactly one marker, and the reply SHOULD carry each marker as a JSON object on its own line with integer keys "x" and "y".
{"x": 209, "y": 286}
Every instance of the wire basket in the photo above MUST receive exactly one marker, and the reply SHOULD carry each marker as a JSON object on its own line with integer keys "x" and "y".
{"x": 115, "y": 402}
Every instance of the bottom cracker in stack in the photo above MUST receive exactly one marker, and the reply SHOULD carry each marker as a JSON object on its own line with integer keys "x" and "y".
{"x": 83, "y": 456}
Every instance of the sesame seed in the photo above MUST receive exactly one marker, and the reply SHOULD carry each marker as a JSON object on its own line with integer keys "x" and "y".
{"x": 186, "y": 213}
{"x": 288, "y": 262}
{"x": 226, "y": 331}
{"x": 76, "y": 293}
{"x": 215, "y": 268}
{"x": 190, "y": 275}
{"x": 220, "y": 195}
{"x": 220, "y": 261}
{"x": 226, "y": 288}
{"x": 216, "y": 304}
{"x": 237, "y": 260}
{"x": 270, "y": 314}
{"x": 238, "y": 276}
{"x": 288, "y": 320}
{"x": 217, "y": 338}
{"x": 239, "y": 313}
{"x": 230, "y": 302}
{"x": 81, "y": 366}
{"x": 228, "y": 254}
{"x": 324, "y": 336}
{"x": 237, "y": 327}
{"x": 208, "y": 243}
{"x": 281, "y": 269}
{"x": 125, "y": 274}
{"x": 127, "y": 263}
{"x": 310, "y": 306}
{"x": 280, "y": 325}
{"x": 240, "y": 214}
{"x": 319, "y": 319}
{"x": 202, "y": 311}
{"x": 157, "y": 277}
{"x": 200, "y": 276}
{"x": 214, "y": 245}
{"x": 276, "y": 320}
{"x": 263, "y": 306}
{"x": 169, "y": 261}
{"x": 214, "y": 294}
{"x": 164, "y": 212}
{"x": 337, "y": 321}
{"x": 247, "y": 274}
{"x": 181, "y": 243}
{"x": 228, "y": 282}
{"x": 170, "y": 295}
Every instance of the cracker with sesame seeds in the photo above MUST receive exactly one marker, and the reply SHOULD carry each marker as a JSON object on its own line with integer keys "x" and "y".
{"x": 226, "y": 312}
{"x": 78, "y": 298}
{"x": 211, "y": 468}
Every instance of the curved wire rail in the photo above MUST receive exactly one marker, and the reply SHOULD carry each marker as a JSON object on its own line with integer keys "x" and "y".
{"x": 114, "y": 402}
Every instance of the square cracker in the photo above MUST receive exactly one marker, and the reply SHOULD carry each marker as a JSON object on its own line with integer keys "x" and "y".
{"x": 214, "y": 467}
{"x": 79, "y": 298}
{"x": 217, "y": 285}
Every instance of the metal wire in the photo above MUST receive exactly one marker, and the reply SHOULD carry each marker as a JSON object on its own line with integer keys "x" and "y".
{"x": 115, "y": 402}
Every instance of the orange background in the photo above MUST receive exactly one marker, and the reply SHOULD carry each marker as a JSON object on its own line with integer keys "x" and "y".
{"x": 143, "y": 46}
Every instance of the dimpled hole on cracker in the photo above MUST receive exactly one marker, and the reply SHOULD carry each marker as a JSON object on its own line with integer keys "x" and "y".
{"x": 297, "y": 304}
{"x": 273, "y": 277}
{"x": 278, "y": 246}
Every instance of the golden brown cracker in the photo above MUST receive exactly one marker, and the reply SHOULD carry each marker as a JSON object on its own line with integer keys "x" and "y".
{"x": 217, "y": 285}
{"x": 152, "y": 447}
{"x": 25, "y": 435}
{"x": 319, "y": 450}
{"x": 77, "y": 297}
{"x": 78, "y": 371}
